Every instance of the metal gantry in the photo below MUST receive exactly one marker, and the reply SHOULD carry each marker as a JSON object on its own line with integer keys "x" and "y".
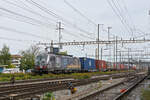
{"x": 98, "y": 42}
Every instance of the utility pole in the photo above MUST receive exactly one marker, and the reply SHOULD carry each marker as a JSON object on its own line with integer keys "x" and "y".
{"x": 101, "y": 53}
{"x": 116, "y": 51}
{"x": 59, "y": 31}
{"x": 128, "y": 59}
{"x": 98, "y": 40}
{"x": 109, "y": 40}
{"x": 120, "y": 59}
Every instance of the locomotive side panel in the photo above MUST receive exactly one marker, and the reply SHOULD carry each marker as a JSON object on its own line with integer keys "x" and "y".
{"x": 74, "y": 64}
{"x": 64, "y": 63}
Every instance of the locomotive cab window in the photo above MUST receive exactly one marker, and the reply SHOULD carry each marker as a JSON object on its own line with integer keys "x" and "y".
{"x": 41, "y": 59}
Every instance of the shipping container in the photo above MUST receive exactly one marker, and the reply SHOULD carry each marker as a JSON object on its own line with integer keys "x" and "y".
{"x": 101, "y": 65}
{"x": 88, "y": 64}
{"x": 122, "y": 66}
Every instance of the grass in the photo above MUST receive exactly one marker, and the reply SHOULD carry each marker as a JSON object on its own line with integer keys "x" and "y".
{"x": 21, "y": 76}
{"x": 145, "y": 94}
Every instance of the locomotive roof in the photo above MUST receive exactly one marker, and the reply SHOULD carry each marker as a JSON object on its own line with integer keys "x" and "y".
{"x": 62, "y": 54}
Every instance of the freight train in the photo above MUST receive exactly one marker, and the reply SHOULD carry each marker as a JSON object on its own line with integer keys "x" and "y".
{"x": 62, "y": 63}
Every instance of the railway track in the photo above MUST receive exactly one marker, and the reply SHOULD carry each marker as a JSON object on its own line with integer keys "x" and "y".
{"x": 46, "y": 79}
{"x": 116, "y": 91}
{"x": 26, "y": 90}
{"x": 31, "y": 80}
{"x": 129, "y": 89}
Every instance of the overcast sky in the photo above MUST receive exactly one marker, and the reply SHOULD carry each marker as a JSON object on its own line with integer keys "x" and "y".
{"x": 23, "y": 24}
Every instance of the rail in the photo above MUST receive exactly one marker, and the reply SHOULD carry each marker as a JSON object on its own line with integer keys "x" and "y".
{"x": 17, "y": 91}
{"x": 119, "y": 97}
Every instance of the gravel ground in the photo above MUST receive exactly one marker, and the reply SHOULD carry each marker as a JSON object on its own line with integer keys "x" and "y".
{"x": 136, "y": 93}
{"x": 113, "y": 92}
{"x": 66, "y": 93}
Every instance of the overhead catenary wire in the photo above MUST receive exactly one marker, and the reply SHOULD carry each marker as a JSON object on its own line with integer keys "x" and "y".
{"x": 48, "y": 11}
{"x": 122, "y": 17}
{"x": 23, "y": 33}
{"x": 27, "y": 8}
{"x": 130, "y": 17}
{"x": 19, "y": 40}
{"x": 72, "y": 34}
{"x": 33, "y": 24}
{"x": 120, "y": 10}
{"x": 30, "y": 19}
{"x": 118, "y": 15}
{"x": 80, "y": 13}
{"x": 40, "y": 16}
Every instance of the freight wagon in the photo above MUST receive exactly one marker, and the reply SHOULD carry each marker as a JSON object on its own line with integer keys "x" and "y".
{"x": 88, "y": 64}
{"x": 101, "y": 65}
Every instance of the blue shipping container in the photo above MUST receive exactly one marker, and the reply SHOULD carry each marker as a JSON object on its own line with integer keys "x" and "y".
{"x": 87, "y": 64}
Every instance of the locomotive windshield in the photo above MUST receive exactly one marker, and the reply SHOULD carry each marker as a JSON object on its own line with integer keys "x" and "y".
{"x": 41, "y": 60}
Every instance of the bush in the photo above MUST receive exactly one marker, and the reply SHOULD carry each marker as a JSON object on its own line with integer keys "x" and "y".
{"x": 49, "y": 96}
{"x": 81, "y": 75}
{"x": 11, "y": 66}
{"x": 22, "y": 76}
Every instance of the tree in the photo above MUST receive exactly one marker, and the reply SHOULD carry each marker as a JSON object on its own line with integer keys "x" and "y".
{"x": 11, "y": 66}
{"x": 28, "y": 57}
{"x": 5, "y": 56}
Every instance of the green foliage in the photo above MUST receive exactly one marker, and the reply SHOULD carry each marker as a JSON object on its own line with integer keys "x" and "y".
{"x": 99, "y": 84}
{"x": 27, "y": 61}
{"x": 11, "y": 66}
{"x": 28, "y": 58}
{"x": 49, "y": 96}
{"x": 81, "y": 75}
{"x": 5, "y": 56}
{"x": 22, "y": 76}
{"x": 145, "y": 94}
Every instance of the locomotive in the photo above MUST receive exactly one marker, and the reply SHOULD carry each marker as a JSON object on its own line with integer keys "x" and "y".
{"x": 56, "y": 63}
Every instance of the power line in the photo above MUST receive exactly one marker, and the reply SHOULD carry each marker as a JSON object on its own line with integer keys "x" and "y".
{"x": 20, "y": 20}
{"x": 125, "y": 7}
{"x": 35, "y": 35}
{"x": 56, "y": 15}
{"x": 20, "y": 32}
{"x": 118, "y": 15}
{"x": 29, "y": 10}
{"x": 26, "y": 17}
{"x": 19, "y": 40}
{"x": 81, "y": 14}
{"x": 122, "y": 17}
{"x": 36, "y": 14}
{"x": 125, "y": 20}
